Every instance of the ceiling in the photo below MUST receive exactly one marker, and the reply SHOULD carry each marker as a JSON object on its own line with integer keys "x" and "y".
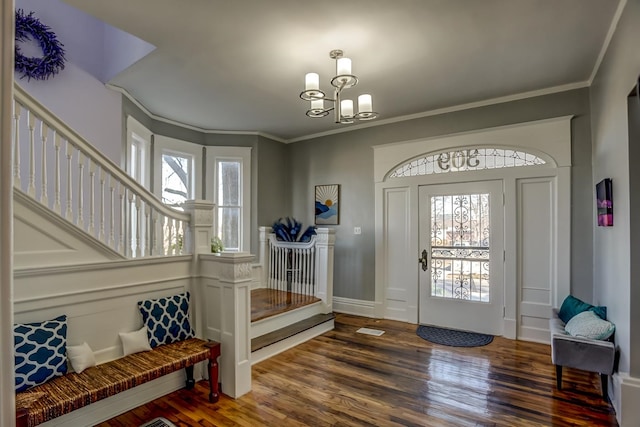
{"x": 240, "y": 65}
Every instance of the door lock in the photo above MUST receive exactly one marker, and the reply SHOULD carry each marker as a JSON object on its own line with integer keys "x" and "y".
{"x": 424, "y": 260}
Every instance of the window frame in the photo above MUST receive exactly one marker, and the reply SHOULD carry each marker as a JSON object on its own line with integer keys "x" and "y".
{"x": 216, "y": 154}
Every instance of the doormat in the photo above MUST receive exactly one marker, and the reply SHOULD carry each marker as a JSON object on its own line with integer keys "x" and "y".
{"x": 367, "y": 331}
{"x": 159, "y": 422}
{"x": 453, "y": 337}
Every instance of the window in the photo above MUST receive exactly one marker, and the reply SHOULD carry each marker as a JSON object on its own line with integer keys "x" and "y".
{"x": 138, "y": 143}
{"x": 137, "y": 166}
{"x": 177, "y": 171}
{"x": 229, "y": 170}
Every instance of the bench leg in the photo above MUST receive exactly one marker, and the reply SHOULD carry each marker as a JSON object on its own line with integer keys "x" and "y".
{"x": 213, "y": 380}
{"x": 190, "y": 381}
{"x": 559, "y": 377}
{"x": 604, "y": 381}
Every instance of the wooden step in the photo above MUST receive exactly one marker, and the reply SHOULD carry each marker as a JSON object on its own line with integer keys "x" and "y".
{"x": 267, "y": 303}
{"x": 289, "y": 331}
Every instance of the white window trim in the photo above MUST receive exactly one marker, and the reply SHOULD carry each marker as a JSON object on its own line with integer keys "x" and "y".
{"x": 243, "y": 154}
{"x": 138, "y": 133}
{"x": 162, "y": 145}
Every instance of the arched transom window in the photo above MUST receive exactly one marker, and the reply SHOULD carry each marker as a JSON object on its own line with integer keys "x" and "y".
{"x": 471, "y": 159}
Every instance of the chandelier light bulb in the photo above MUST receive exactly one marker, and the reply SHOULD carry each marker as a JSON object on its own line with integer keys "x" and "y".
{"x": 365, "y": 104}
{"x": 317, "y": 104}
{"x": 346, "y": 107}
{"x": 343, "y": 66}
{"x": 312, "y": 81}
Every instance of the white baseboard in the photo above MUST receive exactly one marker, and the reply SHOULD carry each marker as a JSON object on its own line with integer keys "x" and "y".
{"x": 113, "y": 406}
{"x": 625, "y": 396}
{"x": 354, "y": 306}
{"x": 280, "y": 346}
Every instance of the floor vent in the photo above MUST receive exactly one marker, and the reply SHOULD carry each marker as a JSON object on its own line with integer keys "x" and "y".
{"x": 367, "y": 331}
{"x": 159, "y": 422}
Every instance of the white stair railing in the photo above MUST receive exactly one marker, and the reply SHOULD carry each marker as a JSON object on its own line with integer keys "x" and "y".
{"x": 299, "y": 268}
{"x": 69, "y": 176}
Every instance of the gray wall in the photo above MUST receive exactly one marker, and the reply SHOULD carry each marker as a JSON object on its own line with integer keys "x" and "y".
{"x": 347, "y": 159}
{"x": 270, "y": 192}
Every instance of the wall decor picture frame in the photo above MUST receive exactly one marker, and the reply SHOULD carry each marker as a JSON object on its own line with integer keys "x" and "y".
{"x": 327, "y": 204}
{"x": 604, "y": 201}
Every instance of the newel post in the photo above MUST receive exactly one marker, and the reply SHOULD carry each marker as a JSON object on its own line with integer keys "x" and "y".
{"x": 325, "y": 241}
{"x": 198, "y": 239}
{"x": 264, "y": 255}
{"x": 233, "y": 322}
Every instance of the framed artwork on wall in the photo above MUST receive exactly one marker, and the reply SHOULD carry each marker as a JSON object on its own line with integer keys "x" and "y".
{"x": 604, "y": 200}
{"x": 327, "y": 204}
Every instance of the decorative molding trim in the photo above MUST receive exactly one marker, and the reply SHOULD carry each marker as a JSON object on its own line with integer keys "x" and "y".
{"x": 607, "y": 40}
{"x": 97, "y": 266}
{"x": 462, "y": 107}
{"x": 625, "y": 396}
{"x": 145, "y": 110}
{"x": 7, "y": 384}
{"x": 354, "y": 306}
{"x": 87, "y": 295}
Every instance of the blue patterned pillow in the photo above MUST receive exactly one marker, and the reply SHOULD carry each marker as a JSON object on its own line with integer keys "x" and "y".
{"x": 40, "y": 351}
{"x": 166, "y": 319}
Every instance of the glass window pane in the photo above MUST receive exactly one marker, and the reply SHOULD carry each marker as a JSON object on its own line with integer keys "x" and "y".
{"x": 228, "y": 183}
{"x": 175, "y": 179}
{"x": 229, "y": 228}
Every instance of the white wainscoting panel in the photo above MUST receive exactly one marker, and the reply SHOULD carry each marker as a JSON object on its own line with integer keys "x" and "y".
{"x": 400, "y": 285}
{"x": 537, "y": 254}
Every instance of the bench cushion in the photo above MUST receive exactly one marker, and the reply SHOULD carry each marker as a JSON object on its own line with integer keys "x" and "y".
{"x": 73, "y": 391}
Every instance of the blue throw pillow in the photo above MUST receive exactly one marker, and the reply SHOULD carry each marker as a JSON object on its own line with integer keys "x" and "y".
{"x": 40, "y": 351}
{"x": 166, "y": 319}
{"x": 572, "y": 306}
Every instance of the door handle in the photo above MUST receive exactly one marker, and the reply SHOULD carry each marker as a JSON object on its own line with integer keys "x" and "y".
{"x": 424, "y": 260}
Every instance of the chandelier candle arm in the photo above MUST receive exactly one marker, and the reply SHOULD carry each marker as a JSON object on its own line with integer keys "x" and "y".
{"x": 343, "y": 109}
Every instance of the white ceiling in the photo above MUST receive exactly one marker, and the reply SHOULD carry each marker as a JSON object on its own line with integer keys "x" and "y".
{"x": 240, "y": 65}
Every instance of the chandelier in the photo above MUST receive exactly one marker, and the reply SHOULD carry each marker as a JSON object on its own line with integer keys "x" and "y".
{"x": 343, "y": 108}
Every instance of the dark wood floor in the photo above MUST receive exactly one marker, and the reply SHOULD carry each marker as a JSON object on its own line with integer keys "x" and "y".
{"x": 343, "y": 378}
{"x": 270, "y": 302}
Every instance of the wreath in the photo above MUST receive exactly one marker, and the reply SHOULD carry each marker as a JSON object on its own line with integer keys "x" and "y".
{"x": 52, "y": 61}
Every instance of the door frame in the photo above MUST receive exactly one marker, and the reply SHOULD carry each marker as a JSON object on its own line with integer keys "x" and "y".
{"x": 550, "y": 139}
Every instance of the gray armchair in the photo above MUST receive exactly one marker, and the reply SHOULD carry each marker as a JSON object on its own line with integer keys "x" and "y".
{"x": 580, "y": 353}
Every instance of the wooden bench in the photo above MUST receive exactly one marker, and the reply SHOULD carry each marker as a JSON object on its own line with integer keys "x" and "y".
{"x": 73, "y": 391}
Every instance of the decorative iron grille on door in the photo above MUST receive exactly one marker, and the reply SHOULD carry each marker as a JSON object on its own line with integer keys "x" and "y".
{"x": 460, "y": 229}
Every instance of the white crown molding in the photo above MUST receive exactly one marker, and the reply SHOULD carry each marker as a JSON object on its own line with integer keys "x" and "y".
{"x": 461, "y": 107}
{"x": 607, "y": 40}
{"x": 145, "y": 110}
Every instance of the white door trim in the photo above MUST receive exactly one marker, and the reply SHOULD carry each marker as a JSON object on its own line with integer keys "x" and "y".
{"x": 550, "y": 137}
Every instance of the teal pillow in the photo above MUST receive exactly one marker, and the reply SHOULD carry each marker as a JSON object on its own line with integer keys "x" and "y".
{"x": 572, "y": 306}
{"x": 588, "y": 325}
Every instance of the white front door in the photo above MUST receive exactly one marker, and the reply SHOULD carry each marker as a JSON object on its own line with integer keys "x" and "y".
{"x": 462, "y": 256}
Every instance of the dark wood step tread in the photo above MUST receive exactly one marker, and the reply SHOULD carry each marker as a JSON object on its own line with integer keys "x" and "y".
{"x": 290, "y": 330}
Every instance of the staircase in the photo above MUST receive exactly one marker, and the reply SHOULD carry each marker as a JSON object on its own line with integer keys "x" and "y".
{"x": 294, "y": 303}
{"x": 75, "y": 206}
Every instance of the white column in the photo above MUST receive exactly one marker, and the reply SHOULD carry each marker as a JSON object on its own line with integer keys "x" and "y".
{"x": 226, "y": 278}
{"x": 7, "y": 385}
{"x": 264, "y": 256}
{"x": 197, "y": 240}
{"x": 325, "y": 241}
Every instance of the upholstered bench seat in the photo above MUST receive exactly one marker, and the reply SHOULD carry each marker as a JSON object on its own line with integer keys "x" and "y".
{"x": 73, "y": 391}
